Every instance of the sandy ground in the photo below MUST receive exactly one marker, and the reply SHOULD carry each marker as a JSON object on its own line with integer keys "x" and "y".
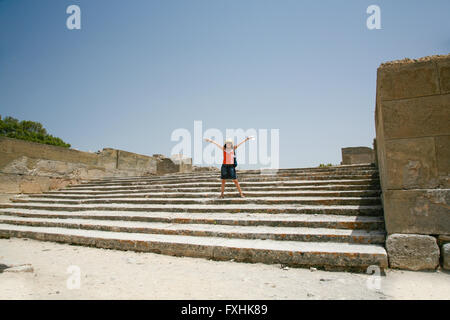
{"x": 111, "y": 274}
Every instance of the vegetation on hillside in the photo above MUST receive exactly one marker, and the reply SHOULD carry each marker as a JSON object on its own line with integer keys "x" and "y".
{"x": 29, "y": 131}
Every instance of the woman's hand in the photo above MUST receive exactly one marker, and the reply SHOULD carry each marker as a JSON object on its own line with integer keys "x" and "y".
{"x": 213, "y": 142}
{"x": 246, "y": 139}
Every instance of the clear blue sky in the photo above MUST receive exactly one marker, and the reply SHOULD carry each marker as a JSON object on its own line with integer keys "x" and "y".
{"x": 139, "y": 69}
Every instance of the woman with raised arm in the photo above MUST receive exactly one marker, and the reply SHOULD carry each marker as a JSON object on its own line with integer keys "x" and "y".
{"x": 228, "y": 170}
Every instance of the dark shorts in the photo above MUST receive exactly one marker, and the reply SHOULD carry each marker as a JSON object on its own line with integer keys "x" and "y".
{"x": 228, "y": 171}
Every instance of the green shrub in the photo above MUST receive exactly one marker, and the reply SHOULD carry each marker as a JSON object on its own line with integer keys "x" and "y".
{"x": 325, "y": 165}
{"x": 29, "y": 131}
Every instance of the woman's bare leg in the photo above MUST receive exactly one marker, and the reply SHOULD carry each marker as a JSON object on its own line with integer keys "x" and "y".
{"x": 238, "y": 187}
{"x": 222, "y": 188}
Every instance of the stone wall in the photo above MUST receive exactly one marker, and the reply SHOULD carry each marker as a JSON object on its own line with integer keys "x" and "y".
{"x": 184, "y": 163}
{"x": 413, "y": 145}
{"x": 28, "y": 167}
{"x": 357, "y": 155}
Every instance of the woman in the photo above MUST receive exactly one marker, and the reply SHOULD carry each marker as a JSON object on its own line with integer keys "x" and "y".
{"x": 228, "y": 170}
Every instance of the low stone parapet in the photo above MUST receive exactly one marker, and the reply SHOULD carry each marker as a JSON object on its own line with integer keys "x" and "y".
{"x": 28, "y": 167}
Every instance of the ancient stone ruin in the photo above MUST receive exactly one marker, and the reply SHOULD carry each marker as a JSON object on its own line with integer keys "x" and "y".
{"x": 413, "y": 150}
{"x": 327, "y": 218}
{"x": 383, "y": 207}
{"x": 28, "y": 167}
{"x": 356, "y": 155}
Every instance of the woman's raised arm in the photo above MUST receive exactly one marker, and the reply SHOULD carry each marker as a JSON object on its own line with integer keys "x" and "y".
{"x": 245, "y": 140}
{"x": 212, "y": 141}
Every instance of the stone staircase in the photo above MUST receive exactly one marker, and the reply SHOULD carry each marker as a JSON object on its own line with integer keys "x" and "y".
{"x": 328, "y": 218}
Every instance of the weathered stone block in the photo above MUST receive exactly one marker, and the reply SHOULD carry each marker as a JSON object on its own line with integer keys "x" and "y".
{"x": 443, "y": 66}
{"x": 165, "y": 166}
{"x": 419, "y": 117}
{"x": 356, "y": 155}
{"x": 417, "y": 211}
{"x": 443, "y": 160}
{"x": 9, "y": 183}
{"x": 412, "y": 252}
{"x": 445, "y": 252}
{"x": 411, "y": 163}
{"x": 443, "y": 239}
{"x": 107, "y": 158}
{"x": 400, "y": 81}
{"x": 32, "y": 187}
{"x": 184, "y": 163}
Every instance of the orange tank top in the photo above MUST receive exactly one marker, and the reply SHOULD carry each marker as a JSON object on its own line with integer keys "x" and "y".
{"x": 228, "y": 157}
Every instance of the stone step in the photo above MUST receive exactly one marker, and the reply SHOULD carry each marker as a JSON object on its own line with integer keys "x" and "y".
{"x": 349, "y": 210}
{"x": 323, "y": 217}
{"x": 199, "y": 194}
{"x": 327, "y": 255}
{"x": 328, "y": 168}
{"x": 204, "y": 201}
{"x": 215, "y": 177}
{"x": 249, "y": 172}
{"x": 360, "y": 188}
{"x": 259, "y": 178}
{"x": 243, "y": 175}
{"x": 244, "y": 184}
{"x": 241, "y": 219}
{"x": 207, "y": 230}
{"x": 336, "y": 167}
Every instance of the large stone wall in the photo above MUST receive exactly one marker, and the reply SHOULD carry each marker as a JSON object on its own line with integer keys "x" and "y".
{"x": 28, "y": 167}
{"x": 413, "y": 144}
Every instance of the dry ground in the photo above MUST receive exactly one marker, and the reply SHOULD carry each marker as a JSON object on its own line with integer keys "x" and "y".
{"x": 111, "y": 274}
